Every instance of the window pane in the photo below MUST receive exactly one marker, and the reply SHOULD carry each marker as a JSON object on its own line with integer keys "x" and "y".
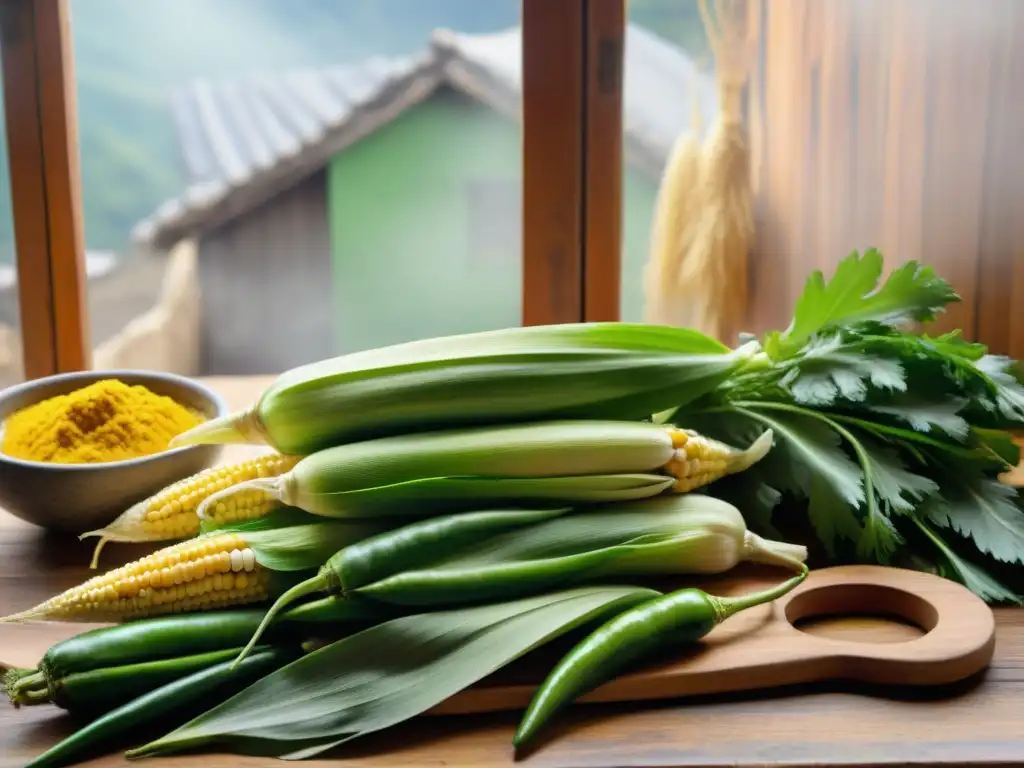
{"x": 667, "y": 74}
{"x": 280, "y": 182}
{"x": 11, "y": 367}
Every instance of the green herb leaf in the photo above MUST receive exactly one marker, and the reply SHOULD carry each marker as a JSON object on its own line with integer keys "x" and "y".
{"x": 828, "y": 370}
{"x": 954, "y": 344}
{"x": 898, "y": 489}
{"x": 820, "y": 470}
{"x": 1008, "y": 392}
{"x": 389, "y": 673}
{"x": 971, "y": 576}
{"x": 911, "y": 292}
{"x": 984, "y": 511}
{"x": 997, "y": 444}
{"x": 924, "y": 415}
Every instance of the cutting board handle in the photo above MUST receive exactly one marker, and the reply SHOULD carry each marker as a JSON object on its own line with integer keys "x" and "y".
{"x": 959, "y": 628}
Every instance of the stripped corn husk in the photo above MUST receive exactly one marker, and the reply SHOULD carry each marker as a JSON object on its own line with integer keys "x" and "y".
{"x": 247, "y": 563}
{"x": 713, "y": 270}
{"x": 556, "y": 462}
{"x": 676, "y": 209}
{"x": 171, "y": 513}
{"x": 570, "y": 371}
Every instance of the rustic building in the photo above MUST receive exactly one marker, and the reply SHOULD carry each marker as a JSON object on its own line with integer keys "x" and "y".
{"x": 347, "y": 207}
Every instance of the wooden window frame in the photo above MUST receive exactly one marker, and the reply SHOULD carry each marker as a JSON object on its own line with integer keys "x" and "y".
{"x": 572, "y": 170}
{"x": 42, "y": 146}
{"x": 572, "y": 159}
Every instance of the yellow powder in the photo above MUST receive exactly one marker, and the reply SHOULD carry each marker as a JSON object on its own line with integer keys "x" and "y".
{"x": 105, "y": 421}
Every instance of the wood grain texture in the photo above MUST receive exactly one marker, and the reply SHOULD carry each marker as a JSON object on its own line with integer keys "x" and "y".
{"x": 42, "y": 144}
{"x": 553, "y": 157}
{"x": 976, "y": 722}
{"x": 602, "y": 189}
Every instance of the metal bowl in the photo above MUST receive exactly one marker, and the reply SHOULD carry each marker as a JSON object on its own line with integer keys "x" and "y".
{"x": 75, "y": 498}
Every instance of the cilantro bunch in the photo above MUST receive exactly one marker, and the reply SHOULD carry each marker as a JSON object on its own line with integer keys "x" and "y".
{"x": 889, "y": 441}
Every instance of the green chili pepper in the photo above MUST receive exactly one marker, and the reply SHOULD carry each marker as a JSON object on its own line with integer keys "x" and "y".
{"x": 478, "y": 557}
{"x": 166, "y": 707}
{"x": 97, "y": 670}
{"x": 683, "y": 616}
{"x": 96, "y": 691}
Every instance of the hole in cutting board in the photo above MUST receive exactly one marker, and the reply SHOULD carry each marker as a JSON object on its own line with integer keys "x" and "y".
{"x": 861, "y": 628}
{"x": 865, "y": 613}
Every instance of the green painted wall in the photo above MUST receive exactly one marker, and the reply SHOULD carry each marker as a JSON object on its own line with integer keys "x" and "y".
{"x": 399, "y": 209}
{"x": 406, "y": 261}
{"x": 639, "y": 194}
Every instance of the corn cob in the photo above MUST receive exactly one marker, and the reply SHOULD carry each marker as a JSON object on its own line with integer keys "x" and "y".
{"x": 209, "y": 572}
{"x": 215, "y": 570}
{"x": 171, "y": 513}
{"x": 561, "y": 462}
{"x": 570, "y": 371}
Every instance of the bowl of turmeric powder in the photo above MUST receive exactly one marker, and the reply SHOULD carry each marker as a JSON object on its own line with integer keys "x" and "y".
{"x": 77, "y": 449}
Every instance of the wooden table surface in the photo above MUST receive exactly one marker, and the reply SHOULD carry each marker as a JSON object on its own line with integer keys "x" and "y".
{"x": 978, "y": 723}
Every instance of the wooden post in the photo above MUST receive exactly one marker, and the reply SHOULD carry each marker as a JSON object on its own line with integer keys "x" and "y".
{"x": 42, "y": 145}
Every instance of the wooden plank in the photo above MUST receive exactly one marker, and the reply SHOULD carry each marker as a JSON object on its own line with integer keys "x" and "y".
{"x": 41, "y": 120}
{"x": 834, "y": 140}
{"x": 1009, "y": 200}
{"x": 870, "y": 104}
{"x": 553, "y": 157}
{"x": 906, "y": 134}
{"x": 778, "y": 263}
{"x": 603, "y": 168}
{"x": 957, "y": 88}
{"x": 1001, "y": 246}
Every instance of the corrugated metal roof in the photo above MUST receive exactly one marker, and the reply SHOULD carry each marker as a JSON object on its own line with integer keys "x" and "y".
{"x": 232, "y": 133}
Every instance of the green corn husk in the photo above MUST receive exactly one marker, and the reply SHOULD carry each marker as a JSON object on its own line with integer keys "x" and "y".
{"x": 575, "y": 370}
{"x": 554, "y": 462}
{"x": 476, "y": 557}
{"x": 388, "y": 674}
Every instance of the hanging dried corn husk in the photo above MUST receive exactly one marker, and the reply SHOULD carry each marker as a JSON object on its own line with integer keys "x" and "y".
{"x": 711, "y": 276}
{"x": 675, "y": 211}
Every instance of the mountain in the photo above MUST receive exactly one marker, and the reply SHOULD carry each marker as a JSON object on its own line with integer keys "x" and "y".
{"x": 130, "y": 56}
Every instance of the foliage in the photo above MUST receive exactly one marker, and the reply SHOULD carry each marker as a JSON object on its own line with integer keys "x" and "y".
{"x": 894, "y": 440}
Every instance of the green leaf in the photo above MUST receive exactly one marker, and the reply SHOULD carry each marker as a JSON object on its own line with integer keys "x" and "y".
{"x": 828, "y": 370}
{"x": 998, "y": 444}
{"x": 971, "y": 576}
{"x": 911, "y": 292}
{"x": 302, "y": 547}
{"x": 280, "y": 517}
{"x": 389, "y": 673}
{"x": 832, "y": 483}
{"x": 984, "y": 511}
{"x": 1009, "y": 394}
{"x": 441, "y": 495}
{"x": 923, "y": 416}
{"x": 954, "y": 344}
{"x": 985, "y": 457}
{"x": 898, "y": 489}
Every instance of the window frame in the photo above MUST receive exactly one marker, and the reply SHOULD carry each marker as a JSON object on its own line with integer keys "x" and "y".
{"x": 572, "y": 60}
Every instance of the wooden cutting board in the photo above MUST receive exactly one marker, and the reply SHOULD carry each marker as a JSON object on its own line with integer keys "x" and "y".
{"x": 764, "y": 647}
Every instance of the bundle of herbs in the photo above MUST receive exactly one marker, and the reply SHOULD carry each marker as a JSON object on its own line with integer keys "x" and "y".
{"x": 889, "y": 442}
